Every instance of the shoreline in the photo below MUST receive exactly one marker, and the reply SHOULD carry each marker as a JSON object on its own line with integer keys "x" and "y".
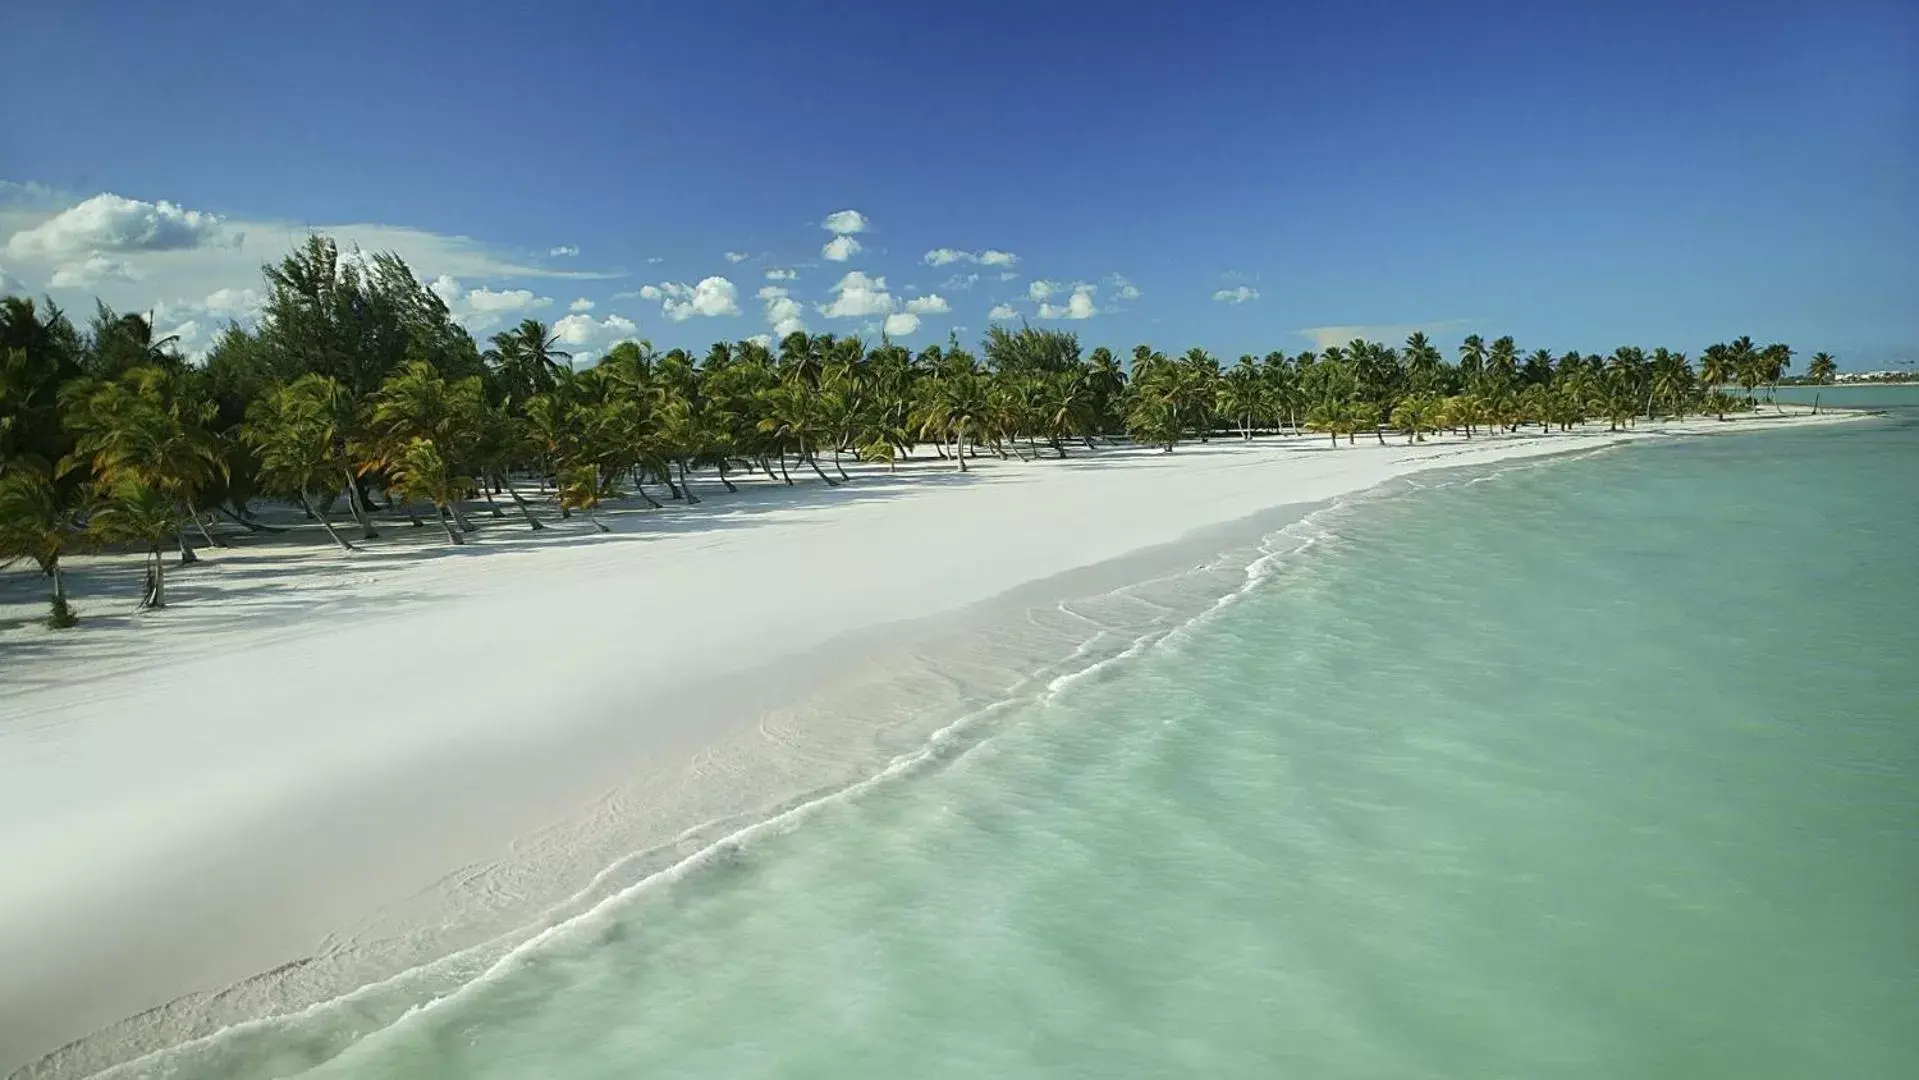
{"x": 294, "y": 817}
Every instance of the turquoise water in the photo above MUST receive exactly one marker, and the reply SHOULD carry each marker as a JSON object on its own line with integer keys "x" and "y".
{"x": 1600, "y": 767}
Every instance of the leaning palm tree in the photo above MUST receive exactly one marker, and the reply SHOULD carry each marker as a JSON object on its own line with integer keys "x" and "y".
{"x": 40, "y": 520}
{"x": 583, "y": 488}
{"x": 293, "y": 434}
{"x": 137, "y": 511}
{"x": 419, "y": 471}
{"x": 1416, "y": 415}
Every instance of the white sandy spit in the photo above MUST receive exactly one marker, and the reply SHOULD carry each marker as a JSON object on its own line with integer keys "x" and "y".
{"x": 198, "y": 795}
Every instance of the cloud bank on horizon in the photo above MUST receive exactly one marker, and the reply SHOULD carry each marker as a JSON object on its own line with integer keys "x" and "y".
{"x": 197, "y": 270}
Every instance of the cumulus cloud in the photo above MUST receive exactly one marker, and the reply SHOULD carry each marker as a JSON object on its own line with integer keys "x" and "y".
{"x": 91, "y": 271}
{"x": 712, "y": 297}
{"x": 482, "y": 308}
{"x": 1123, "y": 288}
{"x": 1040, "y": 290}
{"x": 737, "y": 256}
{"x": 1001, "y": 311}
{"x": 783, "y": 312}
{"x": 111, "y": 223}
{"x": 856, "y": 294}
{"x": 930, "y": 304}
{"x": 989, "y": 257}
{"x": 779, "y": 274}
{"x": 241, "y": 304}
{"x": 582, "y": 304}
{"x": 563, "y": 251}
{"x": 1239, "y": 294}
{"x": 764, "y": 341}
{"x": 900, "y": 324}
{"x": 580, "y": 330}
{"x": 846, "y": 222}
{"x": 1078, "y": 306}
{"x": 840, "y": 249}
{"x": 961, "y": 282}
{"x": 1322, "y": 336}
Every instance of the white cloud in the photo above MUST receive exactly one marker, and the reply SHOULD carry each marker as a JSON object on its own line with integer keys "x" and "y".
{"x": 902, "y": 323}
{"x": 930, "y": 304}
{"x": 1322, "y": 336}
{"x": 9, "y": 284}
{"x": 241, "y": 304}
{"x": 563, "y": 251}
{"x": 1001, "y": 311}
{"x": 655, "y": 260}
{"x": 490, "y": 301}
{"x": 1008, "y": 276}
{"x": 1123, "y": 288}
{"x": 961, "y": 282}
{"x": 857, "y": 295}
{"x": 650, "y": 292}
{"x": 737, "y": 256}
{"x": 582, "y": 304}
{"x": 187, "y": 335}
{"x": 1040, "y": 290}
{"x": 840, "y": 249}
{"x": 108, "y": 222}
{"x": 846, "y": 222}
{"x": 91, "y": 271}
{"x": 764, "y": 341}
{"x": 778, "y": 274}
{"x": 989, "y": 257}
{"x": 782, "y": 311}
{"x": 1078, "y": 306}
{"x": 582, "y": 330}
{"x": 712, "y": 297}
{"x": 1237, "y": 295}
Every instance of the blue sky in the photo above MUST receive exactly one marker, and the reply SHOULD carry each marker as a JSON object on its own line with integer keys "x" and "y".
{"x": 1237, "y": 176}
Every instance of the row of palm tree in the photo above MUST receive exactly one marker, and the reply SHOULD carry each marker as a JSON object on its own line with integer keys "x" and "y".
{"x": 358, "y": 388}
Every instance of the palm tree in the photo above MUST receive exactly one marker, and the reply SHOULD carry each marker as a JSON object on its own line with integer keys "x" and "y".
{"x": 526, "y": 360}
{"x": 1242, "y": 397}
{"x": 1422, "y": 362}
{"x": 137, "y": 511}
{"x": 583, "y": 488}
{"x": 140, "y": 430}
{"x": 40, "y": 520}
{"x": 293, "y": 432}
{"x": 1822, "y": 368}
{"x": 1415, "y": 415}
{"x": 419, "y": 471}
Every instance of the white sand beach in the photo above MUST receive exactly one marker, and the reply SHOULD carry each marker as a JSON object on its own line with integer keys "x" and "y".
{"x": 380, "y": 756}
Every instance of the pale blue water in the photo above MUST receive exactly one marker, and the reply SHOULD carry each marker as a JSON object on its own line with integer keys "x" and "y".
{"x": 1605, "y": 767}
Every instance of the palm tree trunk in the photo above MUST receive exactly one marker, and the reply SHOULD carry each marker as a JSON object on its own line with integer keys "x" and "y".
{"x": 784, "y": 475}
{"x": 814, "y": 461}
{"x": 525, "y": 508}
{"x": 156, "y": 595}
{"x": 187, "y": 557}
{"x": 486, "y": 489}
{"x": 59, "y": 615}
{"x": 357, "y": 504}
{"x": 691, "y": 499}
{"x": 595, "y": 519}
{"x": 446, "y": 522}
{"x": 640, "y": 490}
{"x": 325, "y": 522}
{"x": 465, "y": 525}
{"x": 723, "y": 479}
{"x": 837, "y": 467}
{"x": 200, "y": 523}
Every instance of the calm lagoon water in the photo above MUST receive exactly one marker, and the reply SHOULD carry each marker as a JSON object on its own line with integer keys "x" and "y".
{"x": 1597, "y": 767}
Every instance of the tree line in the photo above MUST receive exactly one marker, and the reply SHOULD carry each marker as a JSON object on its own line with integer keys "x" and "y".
{"x": 358, "y": 387}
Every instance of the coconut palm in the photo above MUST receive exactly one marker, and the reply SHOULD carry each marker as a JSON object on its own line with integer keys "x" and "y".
{"x": 140, "y": 512}
{"x": 526, "y": 360}
{"x": 294, "y": 437}
{"x": 1242, "y": 396}
{"x": 421, "y": 472}
{"x": 141, "y": 430}
{"x": 1416, "y": 415}
{"x": 40, "y": 520}
{"x": 1822, "y": 368}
